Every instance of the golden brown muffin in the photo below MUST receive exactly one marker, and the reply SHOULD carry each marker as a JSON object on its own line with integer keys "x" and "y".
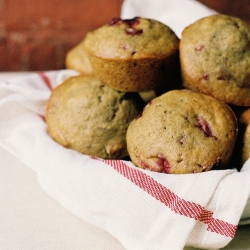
{"x": 88, "y": 116}
{"x": 245, "y": 116}
{"x": 246, "y": 144}
{"x": 133, "y": 55}
{"x": 245, "y": 147}
{"x": 215, "y": 58}
{"x": 77, "y": 59}
{"x": 236, "y": 159}
{"x": 182, "y": 132}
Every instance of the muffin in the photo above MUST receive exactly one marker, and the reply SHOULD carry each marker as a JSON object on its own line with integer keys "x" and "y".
{"x": 215, "y": 58}
{"x": 88, "y": 116}
{"x": 244, "y": 116}
{"x": 246, "y": 144}
{"x": 133, "y": 55}
{"x": 182, "y": 132}
{"x": 245, "y": 147}
{"x": 77, "y": 59}
{"x": 236, "y": 161}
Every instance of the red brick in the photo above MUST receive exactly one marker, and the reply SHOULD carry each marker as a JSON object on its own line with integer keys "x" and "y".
{"x": 36, "y": 35}
{"x": 58, "y": 14}
{"x": 10, "y": 58}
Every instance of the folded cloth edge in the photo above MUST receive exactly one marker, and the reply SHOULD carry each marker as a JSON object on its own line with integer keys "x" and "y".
{"x": 51, "y": 76}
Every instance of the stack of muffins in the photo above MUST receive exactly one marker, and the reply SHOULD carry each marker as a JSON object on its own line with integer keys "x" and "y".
{"x": 215, "y": 60}
{"x": 195, "y": 91}
{"x": 90, "y": 113}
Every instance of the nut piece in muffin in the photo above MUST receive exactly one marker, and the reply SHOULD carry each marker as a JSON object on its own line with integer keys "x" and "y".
{"x": 215, "y": 58}
{"x": 182, "y": 132}
{"x": 88, "y": 116}
{"x": 133, "y": 55}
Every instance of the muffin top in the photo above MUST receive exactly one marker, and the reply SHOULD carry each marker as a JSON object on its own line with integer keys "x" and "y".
{"x": 88, "y": 116}
{"x": 215, "y": 53}
{"x": 132, "y": 38}
{"x": 77, "y": 59}
{"x": 182, "y": 132}
{"x": 245, "y": 116}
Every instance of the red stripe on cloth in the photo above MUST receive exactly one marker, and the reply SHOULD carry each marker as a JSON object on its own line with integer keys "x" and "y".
{"x": 206, "y": 216}
{"x": 218, "y": 226}
{"x": 45, "y": 79}
{"x": 42, "y": 117}
{"x": 171, "y": 200}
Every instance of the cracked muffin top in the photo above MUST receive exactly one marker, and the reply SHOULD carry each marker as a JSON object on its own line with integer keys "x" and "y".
{"x": 215, "y": 58}
{"x": 88, "y": 116}
{"x": 182, "y": 132}
{"x": 132, "y": 38}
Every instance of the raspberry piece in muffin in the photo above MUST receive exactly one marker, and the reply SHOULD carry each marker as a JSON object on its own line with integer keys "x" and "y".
{"x": 214, "y": 56}
{"x": 183, "y": 132}
{"x": 133, "y": 55}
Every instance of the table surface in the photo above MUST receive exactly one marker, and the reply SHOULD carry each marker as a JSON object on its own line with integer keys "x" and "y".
{"x": 31, "y": 219}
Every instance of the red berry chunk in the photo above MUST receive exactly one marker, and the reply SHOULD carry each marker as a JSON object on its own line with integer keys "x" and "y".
{"x": 199, "y": 48}
{"x": 115, "y": 21}
{"x": 205, "y": 127}
{"x": 132, "y": 22}
{"x": 130, "y": 30}
{"x": 205, "y": 76}
{"x": 221, "y": 78}
{"x": 133, "y": 32}
{"x": 144, "y": 165}
{"x": 163, "y": 163}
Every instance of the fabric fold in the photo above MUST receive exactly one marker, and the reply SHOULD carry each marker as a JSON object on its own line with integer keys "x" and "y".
{"x": 142, "y": 209}
{"x": 176, "y": 14}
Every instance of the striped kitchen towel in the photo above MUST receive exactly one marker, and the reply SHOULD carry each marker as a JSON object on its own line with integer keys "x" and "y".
{"x": 144, "y": 210}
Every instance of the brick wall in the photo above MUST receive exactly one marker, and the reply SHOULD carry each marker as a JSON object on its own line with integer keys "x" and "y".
{"x": 239, "y": 8}
{"x": 36, "y": 34}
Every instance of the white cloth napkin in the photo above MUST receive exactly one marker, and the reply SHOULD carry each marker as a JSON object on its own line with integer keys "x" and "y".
{"x": 144, "y": 210}
{"x": 177, "y": 14}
